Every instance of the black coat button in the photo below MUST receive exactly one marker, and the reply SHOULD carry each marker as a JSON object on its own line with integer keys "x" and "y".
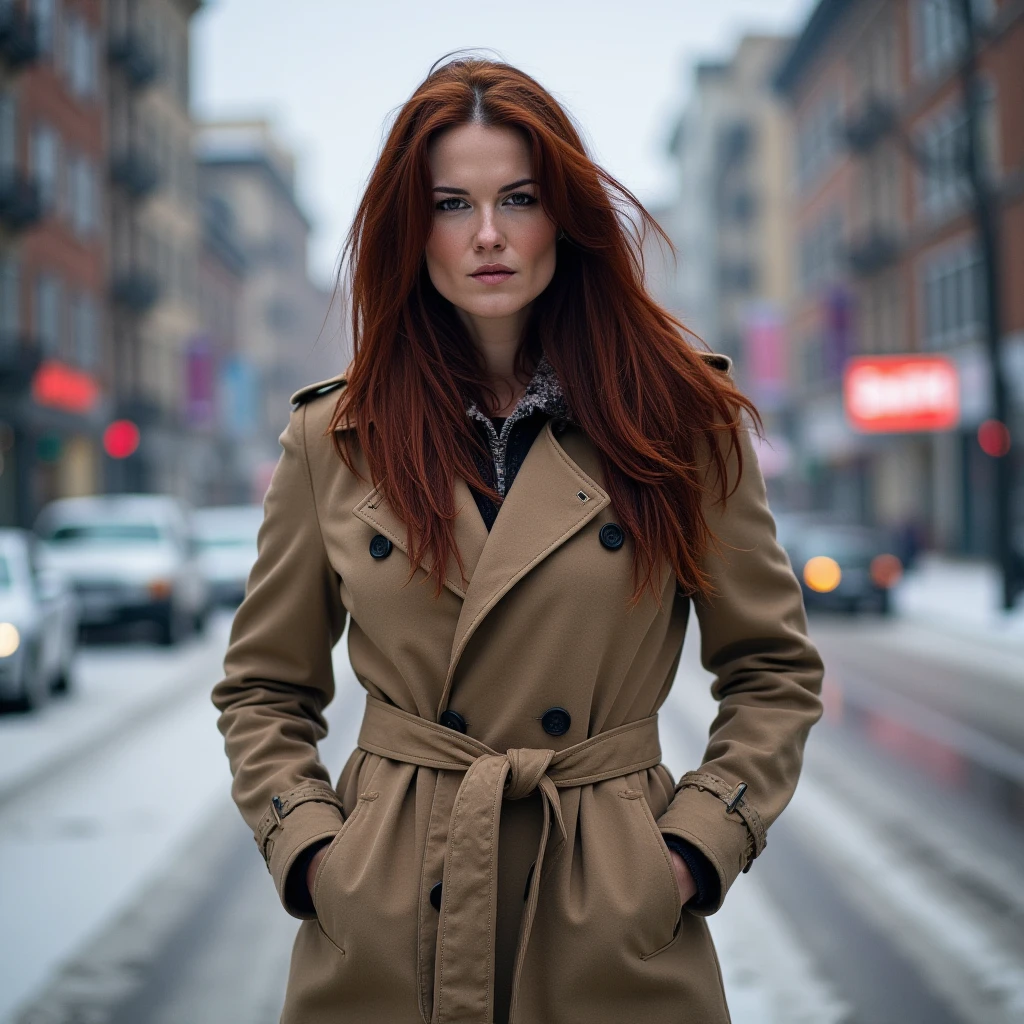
{"x": 380, "y": 546}
{"x": 611, "y": 536}
{"x": 556, "y": 721}
{"x": 435, "y": 896}
{"x": 453, "y": 720}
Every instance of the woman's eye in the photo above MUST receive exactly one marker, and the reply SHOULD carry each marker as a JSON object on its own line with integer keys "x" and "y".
{"x": 520, "y": 199}
{"x": 450, "y": 204}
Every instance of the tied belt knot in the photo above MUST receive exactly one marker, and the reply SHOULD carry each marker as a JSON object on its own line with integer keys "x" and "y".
{"x": 464, "y": 966}
{"x": 527, "y": 768}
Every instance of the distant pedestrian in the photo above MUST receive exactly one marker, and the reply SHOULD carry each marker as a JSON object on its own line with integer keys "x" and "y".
{"x": 513, "y": 497}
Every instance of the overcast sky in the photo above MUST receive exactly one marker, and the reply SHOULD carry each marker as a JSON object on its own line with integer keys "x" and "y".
{"x": 329, "y": 72}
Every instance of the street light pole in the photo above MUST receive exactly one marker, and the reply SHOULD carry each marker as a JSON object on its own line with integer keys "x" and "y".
{"x": 985, "y": 201}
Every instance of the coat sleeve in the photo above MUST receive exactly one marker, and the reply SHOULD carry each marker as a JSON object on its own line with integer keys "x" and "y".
{"x": 279, "y": 678}
{"x": 768, "y": 681}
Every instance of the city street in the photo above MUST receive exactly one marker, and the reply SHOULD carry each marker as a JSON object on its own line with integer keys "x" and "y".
{"x": 890, "y": 891}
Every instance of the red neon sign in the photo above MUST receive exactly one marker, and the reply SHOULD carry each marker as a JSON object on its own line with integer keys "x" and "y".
{"x": 63, "y": 387}
{"x": 894, "y": 394}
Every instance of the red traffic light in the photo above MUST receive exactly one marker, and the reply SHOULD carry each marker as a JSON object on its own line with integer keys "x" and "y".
{"x": 121, "y": 439}
{"x": 994, "y": 438}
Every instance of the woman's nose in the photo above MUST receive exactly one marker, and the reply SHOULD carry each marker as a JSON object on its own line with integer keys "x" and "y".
{"x": 488, "y": 235}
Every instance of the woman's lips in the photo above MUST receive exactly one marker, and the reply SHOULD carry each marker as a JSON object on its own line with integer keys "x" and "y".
{"x": 492, "y": 273}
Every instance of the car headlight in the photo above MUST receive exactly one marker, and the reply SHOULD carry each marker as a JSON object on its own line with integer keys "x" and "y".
{"x": 10, "y": 639}
{"x": 822, "y": 574}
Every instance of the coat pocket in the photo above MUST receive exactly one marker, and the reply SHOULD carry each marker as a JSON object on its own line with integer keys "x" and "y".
{"x": 329, "y": 863}
{"x": 365, "y": 898}
{"x": 665, "y": 859}
{"x": 662, "y": 899}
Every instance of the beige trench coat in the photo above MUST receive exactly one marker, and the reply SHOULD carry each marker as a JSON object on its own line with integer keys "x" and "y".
{"x": 577, "y": 919}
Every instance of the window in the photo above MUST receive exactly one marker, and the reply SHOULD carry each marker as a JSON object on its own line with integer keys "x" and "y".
{"x": 83, "y": 198}
{"x": 10, "y": 301}
{"x": 85, "y": 335}
{"x": 822, "y": 256}
{"x": 818, "y": 138}
{"x": 8, "y": 134}
{"x": 938, "y": 32}
{"x": 942, "y": 183}
{"x": 45, "y": 14}
{"x": 80, "y": 57}
{"x": 952, "y": 293}
{"x": 45, "y": 154}
{"x": 49, "y": 298}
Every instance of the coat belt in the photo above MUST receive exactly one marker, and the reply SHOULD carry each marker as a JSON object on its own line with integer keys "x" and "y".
{"x": 464, "y": 969}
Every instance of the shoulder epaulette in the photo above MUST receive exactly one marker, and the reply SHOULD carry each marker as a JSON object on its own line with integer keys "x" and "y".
{"x": 323, "y": 387}
{"x": 717, "y": 361}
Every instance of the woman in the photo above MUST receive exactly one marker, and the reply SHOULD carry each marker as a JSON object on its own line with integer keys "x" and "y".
{"x": 525, "y": 429}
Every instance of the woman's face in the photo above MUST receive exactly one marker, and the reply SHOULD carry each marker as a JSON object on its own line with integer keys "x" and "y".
{"x": 492, "y": 248}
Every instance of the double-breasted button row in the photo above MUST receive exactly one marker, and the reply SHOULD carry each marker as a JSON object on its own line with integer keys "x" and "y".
{"x": 554, "y": 721}
{"x": 610, "y": 535}
{"x": 437, "y": 889}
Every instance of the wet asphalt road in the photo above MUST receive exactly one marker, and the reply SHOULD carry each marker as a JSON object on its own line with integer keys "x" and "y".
{"x": 895, "y": 869}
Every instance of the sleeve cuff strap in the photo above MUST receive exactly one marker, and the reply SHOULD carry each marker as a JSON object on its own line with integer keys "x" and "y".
{"x": 304, "y": 822}
{"x": 699, "y": 816}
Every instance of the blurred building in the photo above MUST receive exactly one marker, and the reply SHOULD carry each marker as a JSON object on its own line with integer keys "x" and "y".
{"x": 221, "y": 410}
{"x": 155, "y": 237}
{"x": 887, "y": 257}
{"x": 286, "y": 335}
{"x": 54, "y": 363}
{"x": 732, "y": 227}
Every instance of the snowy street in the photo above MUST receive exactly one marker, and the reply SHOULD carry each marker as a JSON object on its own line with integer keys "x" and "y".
{"x": 890, "y": 891}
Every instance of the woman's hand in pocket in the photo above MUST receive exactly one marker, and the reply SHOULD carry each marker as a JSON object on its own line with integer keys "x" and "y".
{"x": 314, "y": 866}
{"x": 687, "y": 886}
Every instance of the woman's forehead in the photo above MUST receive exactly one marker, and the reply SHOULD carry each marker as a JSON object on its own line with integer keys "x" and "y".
{"x": 480, "y": 156}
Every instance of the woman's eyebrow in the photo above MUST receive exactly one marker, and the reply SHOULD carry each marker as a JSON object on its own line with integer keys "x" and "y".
{"x": 451, "y": 190}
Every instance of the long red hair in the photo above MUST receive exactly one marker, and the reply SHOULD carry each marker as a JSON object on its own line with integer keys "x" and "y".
{"x": 414, "y": 366}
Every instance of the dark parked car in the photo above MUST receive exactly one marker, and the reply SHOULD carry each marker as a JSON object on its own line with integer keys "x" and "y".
{"x": 841, "y": 567}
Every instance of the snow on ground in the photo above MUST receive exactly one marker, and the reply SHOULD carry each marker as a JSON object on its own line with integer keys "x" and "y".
{"x": 962, "y": 597}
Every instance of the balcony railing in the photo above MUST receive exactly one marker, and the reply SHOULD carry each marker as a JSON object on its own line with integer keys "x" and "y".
{"x": 877, "y": 249}
{"x": 21, "y": 205}
{"x": 19, "y": 43}
{"x": 866, "y": 127}
{"x": 133, "y": 55}
{"x": 135, "y": 290}
{"x": 135, "y": 172}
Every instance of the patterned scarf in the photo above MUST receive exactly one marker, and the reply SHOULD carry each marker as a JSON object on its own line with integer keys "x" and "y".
{"x": 543, "y": 393}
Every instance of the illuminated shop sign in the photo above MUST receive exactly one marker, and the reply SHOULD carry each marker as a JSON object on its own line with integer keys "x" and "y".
{"x": 896, "y": 394}
{"x": 60, "y": 386}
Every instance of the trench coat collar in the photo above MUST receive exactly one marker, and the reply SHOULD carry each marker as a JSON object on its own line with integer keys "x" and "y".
{"x": 553, "y": 499}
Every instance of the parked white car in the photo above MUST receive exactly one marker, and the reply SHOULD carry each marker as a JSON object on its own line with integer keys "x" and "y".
{"x": 130, "y": 558}
{"x": 38, "y": 625}
{"x": 226, "y": 535}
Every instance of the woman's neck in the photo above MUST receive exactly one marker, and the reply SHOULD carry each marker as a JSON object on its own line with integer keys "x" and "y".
{"x": 498, "y": 340}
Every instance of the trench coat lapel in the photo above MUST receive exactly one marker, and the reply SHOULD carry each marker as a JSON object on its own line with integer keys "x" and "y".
{"x": 470, "y": 531}
{"x": 551, "y": 500}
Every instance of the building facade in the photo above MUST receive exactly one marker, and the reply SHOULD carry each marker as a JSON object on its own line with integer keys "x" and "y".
{"x": 289, "y": 330}
{"x": 55, "y": 365}
{"x": 731, "y": 223}
{"x": 154, "y": 239}
{"x": 888, "y": 259}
